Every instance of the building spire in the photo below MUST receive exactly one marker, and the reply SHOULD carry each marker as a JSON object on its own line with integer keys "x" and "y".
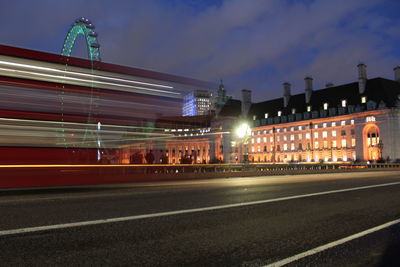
{"x": 221, "y": 86}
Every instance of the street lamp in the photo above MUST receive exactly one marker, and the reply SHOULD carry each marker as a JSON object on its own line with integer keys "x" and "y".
{"x": 243, "y": 131}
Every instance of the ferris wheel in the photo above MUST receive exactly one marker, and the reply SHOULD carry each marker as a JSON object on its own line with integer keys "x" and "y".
{"x": 82, "y": 26}
{"x": 92, "y": 135}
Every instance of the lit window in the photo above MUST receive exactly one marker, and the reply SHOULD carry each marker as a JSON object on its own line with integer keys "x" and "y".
{"x": 343, "y": 142}
{"x": 252, "y": 149}
{"x": 343, "y": 123}
{"x": 265, "y": 139}
{"x": 334, "y": 143}
{"x": 344, "y": 103}
{"x": 284, "y": 130}
{"x": 333, "y": 124}
{"x": 284, "y": 138}
{"x": 279, "y": 113}
{"x": 258, "y": 140}
{"x": 300, "y": 136}
{"x": 252, "y": 140}
{"x": 324, "y": 134}
{"x": 254, "y": 117}
{"x": 292, "y": 129}
{"x": 278, "y": 138}
{"x": 258, "y": 149}
{"x": 300, "y": 128}
{"x": 293, "y": 110}
{"x": 315, "y": 134}
{"x": 292, "y": 146}
{"x": 316, "y": 126}
{"x": 363, "y": 99}
{"x": 325, "y": 144}
{"x": 271, "y": 139}
{"x": 325, "y": 106}
{"x": 278, "y": 130}
{"x": 324, "y": 125}
{"x": 266, "y": 115}
{"x": 284, "y": 147}
{"x": 352, "y": 122}
{"x": 333, "y": 133}
{"x": 308, "y": 108}
{"x": 292, "y": 137}
{"x": 307, "y": 135}
{"x": 344, "y": 157}
{"x": 316, "y": 145}
{"x": 353, "y": 142}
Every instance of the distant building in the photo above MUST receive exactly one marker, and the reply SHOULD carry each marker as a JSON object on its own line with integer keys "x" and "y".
{"x": 197, "y": 102}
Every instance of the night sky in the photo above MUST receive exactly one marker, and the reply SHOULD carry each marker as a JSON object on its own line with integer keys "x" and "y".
{"x": 250, "y": 44}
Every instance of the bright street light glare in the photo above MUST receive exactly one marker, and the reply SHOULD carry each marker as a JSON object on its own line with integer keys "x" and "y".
{"x": 243, "y": 130}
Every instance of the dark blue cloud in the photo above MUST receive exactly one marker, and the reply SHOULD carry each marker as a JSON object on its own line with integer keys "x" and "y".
{"x": 250, "y": 44}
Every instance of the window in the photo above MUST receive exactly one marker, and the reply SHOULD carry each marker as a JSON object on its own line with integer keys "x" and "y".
{"x": 252, "y": 140}
{"x": 325, "y": 106}
{"x": 316, "y": 145}
{"x": 279, "y": 113}
{"x": 292, "y": 146}
{"x": 252, "y": 149}
{"x": 343, "y": 123}
{"x": 363, "y": 99}
{"x": 316, "y": 126}
{"x": 344, "y": 143}
{"x": 258, "y": 149}
{"x": 300, "y": 146}
{"x": 324, "y": 134}
{"x": 333, "y": 124}
{"x": 284, "y": 138}
{"x": 293, "y": 110}
{"x": 264, "y": 139}
{"x": 265, "y": 148}
{"x": 254, "y": 117}
{"x": 271, "y": 139}
{"x": 284, "y": 147}
{"x": 324, "y": 125}
{"x": 292, "y": 137}
{"x": 334, "y": 144}
{"x": 315, "y": 134}
{"x": 278, "y": 148}
{"x": 353, "y": 142}
{"x": 258, "y": 140}
{"x": 334, "y": 133}
{"x": 344, "y": 103}
{"x": 284, "y": 130}
{"x": 300, "y": 136}
{"x": 278, "y": 138}
{"x": 307, "y": 135}
{"x": 325, "y": 144}
{"x": 300, "y": 128}
{"x": 343, "y": 132}
{"x": 308, "y": 108}
{"x": 352, "y": 122}
{"x": 266, "y": 115}
{"x": 352, "y": 132}
{"x": 292, "y": 129}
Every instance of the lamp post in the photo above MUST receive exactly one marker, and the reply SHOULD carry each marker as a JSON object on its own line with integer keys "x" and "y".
{"x": 380, "y": 147}
{"x": 243, "y": 131}
{"x": 312, "y": 142}
{"x": 274, "y": 147}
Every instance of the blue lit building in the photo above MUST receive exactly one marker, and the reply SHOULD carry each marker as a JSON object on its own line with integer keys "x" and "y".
{"x": 196, "y": 103}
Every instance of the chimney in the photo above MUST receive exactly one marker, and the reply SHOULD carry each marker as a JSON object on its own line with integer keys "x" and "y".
{"x": 309, "y": 88}
{"x": 286, "y": 94}
{"x": 397, "y": 74}
{"x": 329, "y": 84}
{"x": 246, "y": 102}
{"x": 362, "y": 77}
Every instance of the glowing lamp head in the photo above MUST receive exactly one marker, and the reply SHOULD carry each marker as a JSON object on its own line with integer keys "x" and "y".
{"x": 243, "y": 130}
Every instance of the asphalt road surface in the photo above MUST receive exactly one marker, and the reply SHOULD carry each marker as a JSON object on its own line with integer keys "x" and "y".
{"x": 344, "y": 219}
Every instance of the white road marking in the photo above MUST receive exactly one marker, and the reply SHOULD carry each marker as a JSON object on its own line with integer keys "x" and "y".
{"x": 332, "y": 244}
{"x": 177, "y": 212}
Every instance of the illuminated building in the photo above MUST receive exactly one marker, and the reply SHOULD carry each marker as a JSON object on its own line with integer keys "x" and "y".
{"x": 353, "y": 122}
{"x": 197, "y": 102}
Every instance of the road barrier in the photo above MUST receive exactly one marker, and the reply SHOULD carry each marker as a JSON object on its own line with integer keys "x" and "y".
{"x": 17, "y": 176}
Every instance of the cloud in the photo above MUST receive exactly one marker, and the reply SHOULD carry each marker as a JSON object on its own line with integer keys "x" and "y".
{"x": 250, "y": 44}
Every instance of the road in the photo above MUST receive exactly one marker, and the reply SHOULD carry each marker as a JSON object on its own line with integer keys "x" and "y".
{"x": 255, "y": 221}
